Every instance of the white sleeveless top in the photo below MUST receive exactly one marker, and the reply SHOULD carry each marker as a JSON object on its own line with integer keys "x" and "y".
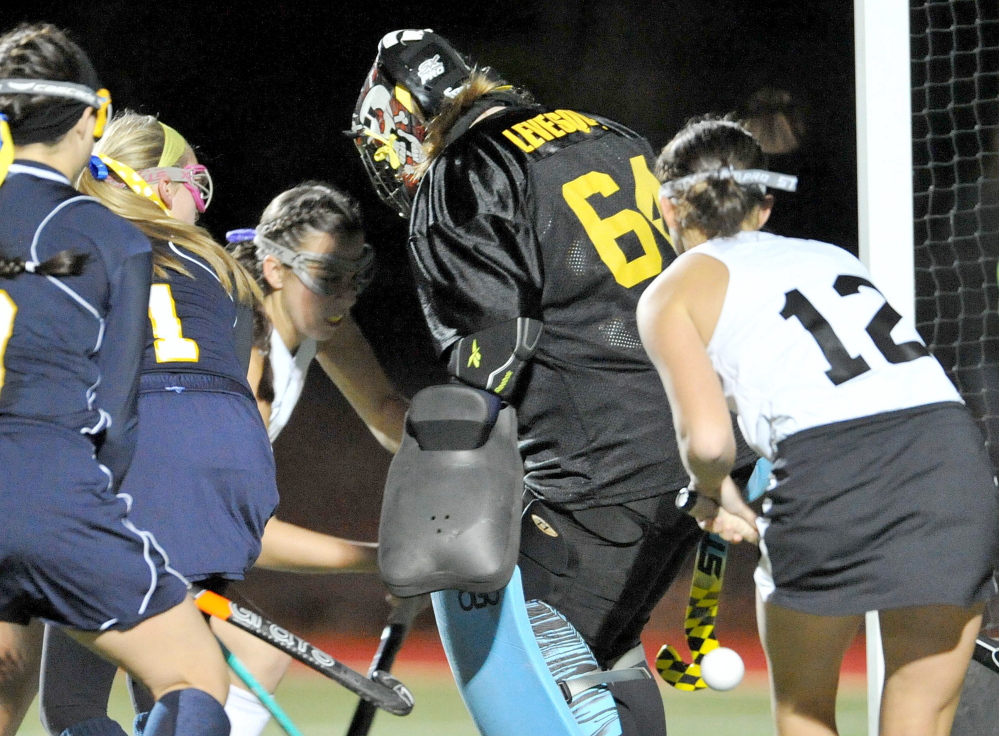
{"x": 289, "y": 379}
{"x": 804, "y": 339}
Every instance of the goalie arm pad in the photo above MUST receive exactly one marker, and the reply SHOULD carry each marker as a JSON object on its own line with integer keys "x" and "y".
{"x": 492, "y": 359}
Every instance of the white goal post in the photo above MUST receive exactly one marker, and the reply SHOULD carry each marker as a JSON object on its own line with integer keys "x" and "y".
{"x": 885, "y": 199}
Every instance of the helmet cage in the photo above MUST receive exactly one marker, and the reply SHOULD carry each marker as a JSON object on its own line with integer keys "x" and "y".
{"x": 415, "y": 73}
{"x": 389, "y": 136}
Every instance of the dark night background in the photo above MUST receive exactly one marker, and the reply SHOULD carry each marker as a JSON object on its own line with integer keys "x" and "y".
{"x": 264, "y": 93}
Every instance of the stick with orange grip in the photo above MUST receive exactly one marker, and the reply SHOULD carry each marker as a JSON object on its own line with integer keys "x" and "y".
{"x": 381, "y": 689}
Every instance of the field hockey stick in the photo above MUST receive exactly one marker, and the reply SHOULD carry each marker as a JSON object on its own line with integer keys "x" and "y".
{"x": 987, "y": 652}
{"x": 702, "y": 610}
{"x": 400, "y": 620}
{"x": 705, "y": 589}
{"x": 265, "y": 698}
{"x": 381, "y": 689}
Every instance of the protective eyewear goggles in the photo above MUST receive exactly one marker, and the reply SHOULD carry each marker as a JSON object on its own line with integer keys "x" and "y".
{"x": 326, "y": 275}
{"x": 99, "y": 100}
{"x": 194, "y": 177}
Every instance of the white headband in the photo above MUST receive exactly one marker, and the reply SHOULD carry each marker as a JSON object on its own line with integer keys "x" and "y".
{"x": 758, "y": 177}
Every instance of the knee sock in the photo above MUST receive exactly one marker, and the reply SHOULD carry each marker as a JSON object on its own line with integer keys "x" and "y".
{"x": 139, "y": 724}
{"x": 102, "y": 726}
{"x": 247, "y": 714}
{"x": 188, "y": 712}
{"x": 142, "y": 703}
{"x": 68, "y": 703}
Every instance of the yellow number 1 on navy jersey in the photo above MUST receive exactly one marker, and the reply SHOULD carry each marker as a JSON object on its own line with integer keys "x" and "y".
{"x": 8, "y": 310}
{"x": 168, "y": 338}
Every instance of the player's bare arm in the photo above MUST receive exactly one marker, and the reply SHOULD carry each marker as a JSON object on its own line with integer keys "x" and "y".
{"x": 349, "y": 361}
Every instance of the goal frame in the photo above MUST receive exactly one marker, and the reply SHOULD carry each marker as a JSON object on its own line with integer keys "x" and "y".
{"x": 884, "y": 201}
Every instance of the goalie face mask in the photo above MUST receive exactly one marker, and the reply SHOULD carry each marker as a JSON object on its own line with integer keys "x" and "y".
{"x": 415, "y": 73}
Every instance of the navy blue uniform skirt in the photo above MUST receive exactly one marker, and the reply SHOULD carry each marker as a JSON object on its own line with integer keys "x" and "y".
{"x": 203, "y": 477}
{"x": 68, "y": 552}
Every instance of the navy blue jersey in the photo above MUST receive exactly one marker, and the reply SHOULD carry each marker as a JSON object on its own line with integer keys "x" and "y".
{"x": 67, "y": 354}
{"x": 192, "y": 321}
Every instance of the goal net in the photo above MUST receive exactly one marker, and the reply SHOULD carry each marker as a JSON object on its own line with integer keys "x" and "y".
{"x": 955, "y": 147}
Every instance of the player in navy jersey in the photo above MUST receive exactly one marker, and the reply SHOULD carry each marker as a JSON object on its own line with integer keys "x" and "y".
{"x": 202, "y": 478}
{"x": 533, "y": 232}
{"x": 74, "y": 290}
{"x": 885, "y": 497}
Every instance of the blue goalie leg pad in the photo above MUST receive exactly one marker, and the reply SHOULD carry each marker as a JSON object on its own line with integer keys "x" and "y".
{"x": 187, "y": 712}
{"x": 103, "y": 726}
{"x": 567, "y": 655}
{"x": 502, "y": 674}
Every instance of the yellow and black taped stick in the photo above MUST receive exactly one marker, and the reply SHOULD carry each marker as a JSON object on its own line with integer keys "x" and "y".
{"x": 705, "y": 588}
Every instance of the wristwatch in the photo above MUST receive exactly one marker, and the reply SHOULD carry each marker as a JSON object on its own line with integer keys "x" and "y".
{"x": 686, "y": 499}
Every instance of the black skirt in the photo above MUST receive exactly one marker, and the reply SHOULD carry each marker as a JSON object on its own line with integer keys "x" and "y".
{"x": 888, "y": 511}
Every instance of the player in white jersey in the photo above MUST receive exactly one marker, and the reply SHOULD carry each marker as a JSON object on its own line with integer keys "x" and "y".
{"x": 309, "y": 256}
{"x": 885, "y": 497}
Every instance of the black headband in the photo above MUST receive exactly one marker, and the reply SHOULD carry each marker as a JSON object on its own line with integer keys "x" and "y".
{"x": 52, "y": 121}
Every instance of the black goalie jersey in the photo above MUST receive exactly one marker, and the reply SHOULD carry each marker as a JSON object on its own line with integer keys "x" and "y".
{"x": 552, "y": 214}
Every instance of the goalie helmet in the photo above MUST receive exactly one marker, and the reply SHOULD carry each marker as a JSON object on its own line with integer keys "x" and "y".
{"x": 414, "y": 74}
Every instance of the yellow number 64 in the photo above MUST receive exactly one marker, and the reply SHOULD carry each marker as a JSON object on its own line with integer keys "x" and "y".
{"x": 605, "y": 232}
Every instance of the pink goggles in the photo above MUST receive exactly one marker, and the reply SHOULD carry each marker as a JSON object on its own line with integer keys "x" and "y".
{"x": 195, "y": 179}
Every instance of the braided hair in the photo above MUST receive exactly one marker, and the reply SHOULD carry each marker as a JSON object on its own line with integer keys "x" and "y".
{"x": 716, "y": 205}
{"x": 63, "y": 263}
{"x": 310, "y": 207}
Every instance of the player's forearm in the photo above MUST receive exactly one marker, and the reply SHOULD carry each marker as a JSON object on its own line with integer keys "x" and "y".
{"x": 350, "y": 363}
{"x": 290, "y": 548}
{"x": 708, "y": 455}
{"x": 387, "y": 426}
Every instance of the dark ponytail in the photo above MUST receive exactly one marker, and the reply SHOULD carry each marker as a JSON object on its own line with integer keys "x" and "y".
{"x": 717, "y": 205}
{"x": 63, "y": 263}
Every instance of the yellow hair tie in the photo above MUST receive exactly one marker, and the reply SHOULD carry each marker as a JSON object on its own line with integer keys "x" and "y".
{"x": 6, "y": 148}
{"x": 133, "y": 181}
{"x": 174, "y": 146}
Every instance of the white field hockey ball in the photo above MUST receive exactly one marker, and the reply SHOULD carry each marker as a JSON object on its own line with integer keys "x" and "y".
{"x": 722, "y": 668}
